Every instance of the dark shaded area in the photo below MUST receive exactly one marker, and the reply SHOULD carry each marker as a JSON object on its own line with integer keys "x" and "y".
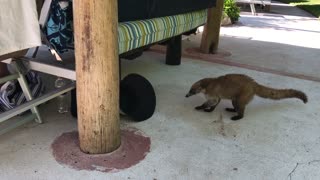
{"x": 130, "y": 10}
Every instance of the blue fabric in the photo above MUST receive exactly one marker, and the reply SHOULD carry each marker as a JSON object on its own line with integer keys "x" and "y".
{"x": 59, "y": 28}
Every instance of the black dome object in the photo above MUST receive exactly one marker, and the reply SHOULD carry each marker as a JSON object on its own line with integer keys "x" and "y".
{"x": 137, "y": 97}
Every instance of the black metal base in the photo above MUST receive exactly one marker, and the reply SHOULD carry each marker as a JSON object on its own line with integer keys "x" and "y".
{"x": 173, "y": 56}
{"x": 73, "y": 108}
{"x": 137, "y": 98}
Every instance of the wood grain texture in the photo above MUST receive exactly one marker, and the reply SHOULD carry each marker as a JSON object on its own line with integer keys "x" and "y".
{"x": 97, "y": 67}
{"x": 211, "y": 33}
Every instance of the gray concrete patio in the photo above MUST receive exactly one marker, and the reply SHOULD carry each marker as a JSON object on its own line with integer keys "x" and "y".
{"x": 275, "y": 140}
{"x": 286, "y": 40}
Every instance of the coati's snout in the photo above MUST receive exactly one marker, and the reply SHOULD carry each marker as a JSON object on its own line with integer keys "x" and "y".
{"x": 195, "y": 89}
{"x": 190, "y": 93}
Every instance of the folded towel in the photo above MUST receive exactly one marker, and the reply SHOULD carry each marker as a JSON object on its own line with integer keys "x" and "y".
{"x": 11, "y": 94}
{"x": 19, "y": 26}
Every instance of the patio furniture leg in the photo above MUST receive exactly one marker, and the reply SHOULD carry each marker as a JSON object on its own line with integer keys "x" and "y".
{"x": 253, "y": 9}
{"x": 173, "y": 56}
{"x": 21, "y": 70}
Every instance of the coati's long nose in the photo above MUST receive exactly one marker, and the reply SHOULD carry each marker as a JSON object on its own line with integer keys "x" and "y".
{"x": 188, "y": 95}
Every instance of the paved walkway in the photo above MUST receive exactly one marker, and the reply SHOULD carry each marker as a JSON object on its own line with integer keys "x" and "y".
{"x": 284, "y": 41}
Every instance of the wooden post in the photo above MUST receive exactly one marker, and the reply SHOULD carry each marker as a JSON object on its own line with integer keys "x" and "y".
{"x": 97, "y": 66}
{"x": 211, "y": 33}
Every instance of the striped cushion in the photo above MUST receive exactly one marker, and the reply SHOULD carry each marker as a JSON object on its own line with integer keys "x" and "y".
{"x": 137, "y": 34}
{"x": 133, "y": 34}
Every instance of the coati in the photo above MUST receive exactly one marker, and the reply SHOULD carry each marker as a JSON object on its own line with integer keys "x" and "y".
{"x": 240, "y": 89}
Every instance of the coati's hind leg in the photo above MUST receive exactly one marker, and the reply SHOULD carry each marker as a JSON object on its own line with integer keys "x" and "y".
{"x": 240, "y": 105}
{"x": 240, "y": 111}
{"x": 234, "y": 107}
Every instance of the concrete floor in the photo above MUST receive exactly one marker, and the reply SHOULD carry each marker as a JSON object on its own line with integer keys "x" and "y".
{"x": 275, "y": 140}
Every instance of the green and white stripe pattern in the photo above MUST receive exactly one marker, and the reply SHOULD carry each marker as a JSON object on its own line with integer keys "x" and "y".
{"x": 140, "y": 33}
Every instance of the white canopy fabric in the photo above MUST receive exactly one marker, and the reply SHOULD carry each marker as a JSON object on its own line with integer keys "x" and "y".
{"x": 19, "y": 26}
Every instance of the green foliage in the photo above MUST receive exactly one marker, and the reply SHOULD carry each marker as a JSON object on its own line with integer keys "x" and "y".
{"x": 232, "y": 10}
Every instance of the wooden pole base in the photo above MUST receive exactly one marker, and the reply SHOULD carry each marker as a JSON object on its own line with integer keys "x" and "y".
{"x": 211, "y": 33}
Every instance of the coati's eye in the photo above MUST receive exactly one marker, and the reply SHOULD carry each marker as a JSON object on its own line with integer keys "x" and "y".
{"x": 192, "y": 91}
{"x": 196, "y": 90}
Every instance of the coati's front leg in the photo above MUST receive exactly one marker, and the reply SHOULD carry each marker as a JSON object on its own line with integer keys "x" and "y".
{"x": 203, "y": 106}
{"x": 209, "y": 105}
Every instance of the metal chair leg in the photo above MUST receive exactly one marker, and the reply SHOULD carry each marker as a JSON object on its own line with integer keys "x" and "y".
{"x": 253, "y": 9}
{"x": 21, "y": 70}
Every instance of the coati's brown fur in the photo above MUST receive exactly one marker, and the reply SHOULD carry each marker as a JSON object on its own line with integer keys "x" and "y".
{"x": 240, "y": 89}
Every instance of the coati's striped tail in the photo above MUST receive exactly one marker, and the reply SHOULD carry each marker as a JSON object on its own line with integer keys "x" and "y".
{"x": 277, "y": 94}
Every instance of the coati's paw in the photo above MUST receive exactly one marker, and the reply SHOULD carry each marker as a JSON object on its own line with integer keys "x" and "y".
{"x": 209, "y": 109}
{"x": 235, "y": 118}
{"x": 231, "y": 110}
{"x": 199, "y": 107}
